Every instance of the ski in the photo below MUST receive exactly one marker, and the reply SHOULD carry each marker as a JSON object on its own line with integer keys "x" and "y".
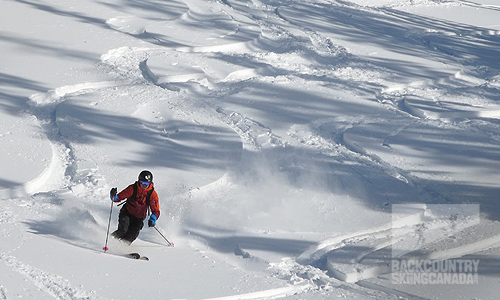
{"x": 136, "y": 256}
{"x": 133, "y": 255}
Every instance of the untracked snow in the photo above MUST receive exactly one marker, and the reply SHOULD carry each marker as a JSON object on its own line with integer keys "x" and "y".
{"x": 296, "y": 146}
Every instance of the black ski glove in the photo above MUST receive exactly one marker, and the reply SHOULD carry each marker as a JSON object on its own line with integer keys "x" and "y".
{"x": 112, "y": 194}
{"x": 152, "y": 221}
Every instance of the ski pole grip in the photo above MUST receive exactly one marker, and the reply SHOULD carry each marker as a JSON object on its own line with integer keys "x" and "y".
{"x": 113, "y": 192}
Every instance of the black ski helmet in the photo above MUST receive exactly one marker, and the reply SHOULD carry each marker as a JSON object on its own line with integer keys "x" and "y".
{"x": 146, "y": 176}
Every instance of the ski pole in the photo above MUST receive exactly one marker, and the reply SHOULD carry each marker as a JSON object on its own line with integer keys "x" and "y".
{"x": 105, "y": 248}
{"x": 169, "y": 243}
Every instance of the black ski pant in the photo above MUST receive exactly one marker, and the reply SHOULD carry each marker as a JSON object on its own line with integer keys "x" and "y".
{"x": 128, "y": 227}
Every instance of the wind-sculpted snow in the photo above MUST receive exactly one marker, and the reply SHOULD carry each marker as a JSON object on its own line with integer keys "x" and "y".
{"x": 282, "y": 135}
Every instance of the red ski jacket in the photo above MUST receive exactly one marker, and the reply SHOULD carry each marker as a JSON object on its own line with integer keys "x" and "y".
{"x": 138, "y": 206}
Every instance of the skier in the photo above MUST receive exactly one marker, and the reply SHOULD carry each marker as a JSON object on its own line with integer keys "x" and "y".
{"x": 140, "y": 196}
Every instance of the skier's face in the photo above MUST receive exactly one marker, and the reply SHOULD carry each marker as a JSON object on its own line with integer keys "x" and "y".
{"x": 144, "y": 184}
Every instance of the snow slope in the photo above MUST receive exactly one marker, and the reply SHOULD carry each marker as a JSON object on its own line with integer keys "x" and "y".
{"x": 294, "y": 144}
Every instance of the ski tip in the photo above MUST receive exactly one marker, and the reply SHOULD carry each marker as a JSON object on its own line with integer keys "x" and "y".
{"x": 137, "y": 256}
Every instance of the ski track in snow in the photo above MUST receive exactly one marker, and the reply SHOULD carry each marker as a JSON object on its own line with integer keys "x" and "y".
{"x": 3, "y": 294}
{"x": 54, "y": 285}
{"x": 268, "y": 294}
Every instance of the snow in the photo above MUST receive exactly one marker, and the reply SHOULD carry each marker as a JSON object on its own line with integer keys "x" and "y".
{"x": 298, "y": 147}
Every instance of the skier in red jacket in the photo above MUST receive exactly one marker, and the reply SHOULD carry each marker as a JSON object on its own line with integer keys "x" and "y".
{"x": 140, "y": 196}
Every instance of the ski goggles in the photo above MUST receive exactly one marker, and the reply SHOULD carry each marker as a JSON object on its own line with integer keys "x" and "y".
{"x": 144, "y": 182}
